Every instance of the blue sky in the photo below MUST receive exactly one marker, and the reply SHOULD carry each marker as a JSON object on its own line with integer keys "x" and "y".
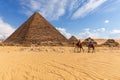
{"x": 81, "y": 18}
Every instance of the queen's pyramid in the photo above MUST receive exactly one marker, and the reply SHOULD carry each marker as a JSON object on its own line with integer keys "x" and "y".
{"x": 73, "y": 40}
{"x": 37, "y": 30}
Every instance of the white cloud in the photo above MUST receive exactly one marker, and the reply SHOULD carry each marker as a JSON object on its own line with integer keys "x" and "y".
{"x": 5, "y": 29}
{"x": 87, "y": 33}
{"x": 101, "y": 30}
{"x": 108, "y": 8}
{"x": 51, "y": 9}
{"x": 99, "y": 33}
{"x": 64, "y": 32}
{"x": 106, "y": 21}
{"x": 96, "y": 33}
{"x": 115, "y": 32}
{"x": 87, "y": 8}
{"x": 75, "y": 4}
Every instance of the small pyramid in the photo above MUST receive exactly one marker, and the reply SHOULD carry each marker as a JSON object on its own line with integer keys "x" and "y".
{"x": 37, "y": 30}
{"x": 73, "y": 40}
{"x": 86, "y": 41}
{"x": 111, "y": 42}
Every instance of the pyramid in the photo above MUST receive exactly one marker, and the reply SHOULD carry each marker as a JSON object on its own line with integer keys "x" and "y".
{"x": 111, "y": 42}
{"x": 73, "y": 40}
{"x": 86, "y": 41}
{"x": 36, "y": 30}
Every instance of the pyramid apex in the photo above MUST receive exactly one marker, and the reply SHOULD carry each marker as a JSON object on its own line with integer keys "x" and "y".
{"x": 36, "y": 12}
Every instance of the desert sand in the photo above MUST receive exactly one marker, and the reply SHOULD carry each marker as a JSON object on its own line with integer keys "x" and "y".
{"x": 58, "y": 63}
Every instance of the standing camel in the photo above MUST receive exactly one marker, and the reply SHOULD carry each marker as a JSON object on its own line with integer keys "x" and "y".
{"x": 91, "y": 46}
{"x": 78, "y": 47}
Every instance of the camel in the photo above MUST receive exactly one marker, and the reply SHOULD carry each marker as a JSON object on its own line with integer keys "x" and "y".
{"x": 78, "y": 47}
{"x": 91, "y": 46}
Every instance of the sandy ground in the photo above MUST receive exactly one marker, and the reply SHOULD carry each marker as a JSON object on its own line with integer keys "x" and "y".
{"x": 58, "y": 63}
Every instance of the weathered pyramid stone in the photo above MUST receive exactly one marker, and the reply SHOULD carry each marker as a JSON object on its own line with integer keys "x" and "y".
{"x": 86, "y": 41}
{"x": 73, "y": 40}
{"x": 37, "y": 30}
{"x": 111, "y": 42}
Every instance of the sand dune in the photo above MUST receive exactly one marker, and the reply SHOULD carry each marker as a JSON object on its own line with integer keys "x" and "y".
{"x": 100, "y": 41}
{"x": 58, "y": 63}
{"x": 118, "y": 40}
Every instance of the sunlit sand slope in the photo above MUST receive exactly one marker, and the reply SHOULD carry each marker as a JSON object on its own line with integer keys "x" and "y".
{"x": 58, "y": 63}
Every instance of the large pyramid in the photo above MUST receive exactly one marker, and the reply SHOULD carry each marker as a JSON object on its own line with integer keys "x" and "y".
{"x": 36, "y": 30}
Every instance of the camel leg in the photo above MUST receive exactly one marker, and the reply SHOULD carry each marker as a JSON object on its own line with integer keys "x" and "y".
{"x": 82, "y": 49}
{"x": 88, "y": 49}
{"x": 93, "y": 50}
{"x": 77, "y": 49}
{"x": 74, "y": 49}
